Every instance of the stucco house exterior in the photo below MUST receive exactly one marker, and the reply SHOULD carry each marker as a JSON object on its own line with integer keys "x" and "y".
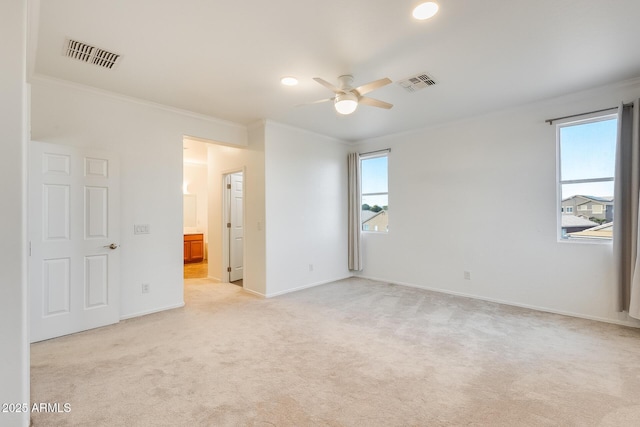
{"x": 589, "y": 207}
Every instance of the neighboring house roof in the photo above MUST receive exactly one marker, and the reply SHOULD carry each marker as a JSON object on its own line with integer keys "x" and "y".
{"x": 576, "y": 221}
{"x": 366, "y": 216}
{"x": 604, "y": 200}
{"x": 604, "y": 231}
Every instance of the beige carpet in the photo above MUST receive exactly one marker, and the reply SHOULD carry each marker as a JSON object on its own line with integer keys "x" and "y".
{"x": 350, "y": 353}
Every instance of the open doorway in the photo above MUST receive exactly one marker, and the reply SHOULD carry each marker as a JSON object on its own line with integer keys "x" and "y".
{"x": 223, "y": 225}
{"x": 233, "y": 240}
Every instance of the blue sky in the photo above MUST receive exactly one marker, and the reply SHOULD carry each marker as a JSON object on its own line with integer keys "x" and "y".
{"x": 588, "y": 151}
{"x": 375, "y": 180}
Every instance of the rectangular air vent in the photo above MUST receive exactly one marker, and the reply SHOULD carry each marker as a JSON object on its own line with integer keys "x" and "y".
{"x": 91, "y": 54}
{"x": 417, "y": 82}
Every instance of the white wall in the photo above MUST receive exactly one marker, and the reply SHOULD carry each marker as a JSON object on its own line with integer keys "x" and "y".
{"x": 14, "y": 347}
{"x": 480, "y": 195}
{"x": 306, "y": 206}
{"x": 223, "y": 160}
{"x": 148, "y": 140}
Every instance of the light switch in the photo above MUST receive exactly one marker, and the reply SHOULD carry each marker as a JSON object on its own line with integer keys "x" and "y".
{"x": 141, "y": 229}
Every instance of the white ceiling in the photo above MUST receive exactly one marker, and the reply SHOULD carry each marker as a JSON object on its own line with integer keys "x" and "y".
{"x": 225, "y": 58}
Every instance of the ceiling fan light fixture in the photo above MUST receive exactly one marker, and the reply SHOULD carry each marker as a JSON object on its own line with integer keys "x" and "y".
{"x": 346, "y": 103}
{"x": 425, "y": 10}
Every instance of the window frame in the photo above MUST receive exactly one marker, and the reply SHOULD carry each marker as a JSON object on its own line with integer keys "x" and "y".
{"x": 594, "y": 118}
{"x": 369, "y": 156}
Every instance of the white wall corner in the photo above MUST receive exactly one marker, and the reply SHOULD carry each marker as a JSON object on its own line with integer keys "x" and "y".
{"x": 14, "y": 122}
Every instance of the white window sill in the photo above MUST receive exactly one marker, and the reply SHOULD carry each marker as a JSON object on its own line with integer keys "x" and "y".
{"x": 586, "y": 241}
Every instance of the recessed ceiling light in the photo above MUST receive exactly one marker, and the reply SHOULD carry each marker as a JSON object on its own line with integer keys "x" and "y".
{"x": 289, "y": 81}
{"x": 425, "y": 10}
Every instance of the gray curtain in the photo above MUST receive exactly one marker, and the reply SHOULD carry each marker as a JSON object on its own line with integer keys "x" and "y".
{"x": 625, "y": 215}
{"x": 354, "y": 190}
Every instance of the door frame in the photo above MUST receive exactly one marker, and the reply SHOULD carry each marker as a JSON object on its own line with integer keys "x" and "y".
{"x": 226, "y": 210}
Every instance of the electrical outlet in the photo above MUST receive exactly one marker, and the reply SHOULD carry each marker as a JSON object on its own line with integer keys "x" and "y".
{"x": 146, "y": 288}
{"x": 467, "y": 275}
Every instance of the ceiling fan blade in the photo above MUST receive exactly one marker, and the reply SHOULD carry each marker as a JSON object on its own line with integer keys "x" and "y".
{"x": 316, "y": 102}
{"x": 328, "y": 85}
{"x": 374, "y": 103}
{"x": 366, "y": 88}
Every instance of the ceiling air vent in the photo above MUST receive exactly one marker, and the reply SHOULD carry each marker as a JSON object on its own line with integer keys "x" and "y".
{"x": 417, "y": 82}
{"x": 91, "y": 54}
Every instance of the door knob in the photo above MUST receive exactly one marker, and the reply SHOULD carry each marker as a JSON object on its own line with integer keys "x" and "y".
{"x": 112, "y": 246}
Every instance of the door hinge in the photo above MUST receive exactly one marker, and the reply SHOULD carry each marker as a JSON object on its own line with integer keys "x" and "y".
{"x": 228, "y": 225}
{"x": 228, "y": 186}
{"x": 228, "y": 269}
{"x": 29, "y": 248}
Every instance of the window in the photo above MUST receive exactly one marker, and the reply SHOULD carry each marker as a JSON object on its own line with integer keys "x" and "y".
{"x": 375, "y": 193}
{"x": 586, "y": 164}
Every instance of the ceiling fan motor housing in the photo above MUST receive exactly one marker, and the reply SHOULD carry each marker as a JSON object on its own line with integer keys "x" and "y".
{"x": 346, "y": 82}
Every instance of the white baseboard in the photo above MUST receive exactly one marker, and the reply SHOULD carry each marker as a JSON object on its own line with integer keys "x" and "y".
{"x": 254, "y": 292}
{"x": 155, "y": 310}
{"x": 630, "y": 323}
{"x": 299, "y": 288}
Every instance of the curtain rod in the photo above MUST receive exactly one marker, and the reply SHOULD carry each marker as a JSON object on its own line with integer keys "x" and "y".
{"x": 386, "y": 150}
{"x": 550, "y": 121}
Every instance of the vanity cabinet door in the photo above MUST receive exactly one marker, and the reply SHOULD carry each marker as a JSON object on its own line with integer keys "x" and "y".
{"x": 193, "y": 248}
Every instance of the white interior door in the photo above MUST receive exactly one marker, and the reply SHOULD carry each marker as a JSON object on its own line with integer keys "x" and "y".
{"x": 73, "y": 237}
{"x": 236, "y": 231}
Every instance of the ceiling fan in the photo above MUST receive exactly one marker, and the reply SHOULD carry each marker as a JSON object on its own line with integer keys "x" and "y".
{"x": 348, "y": 98}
